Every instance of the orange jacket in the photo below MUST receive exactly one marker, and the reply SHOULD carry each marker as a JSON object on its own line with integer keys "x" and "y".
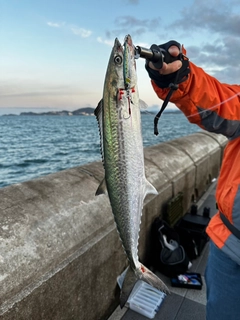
{"x": 215, "y": 107}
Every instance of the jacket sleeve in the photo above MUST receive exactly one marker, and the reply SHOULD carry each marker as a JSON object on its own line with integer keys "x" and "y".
{"x": 205, "y": 101}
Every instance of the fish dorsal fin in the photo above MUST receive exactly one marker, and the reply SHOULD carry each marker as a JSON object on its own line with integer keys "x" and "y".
{"x": 102, "y": 189}
{"x": 149, "y": 189}
{"x": 98, "y": 113}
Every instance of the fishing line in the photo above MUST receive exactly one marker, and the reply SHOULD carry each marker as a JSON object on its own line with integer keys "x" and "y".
{"x": 149, "y": 113}
{"x": 200, "y": 112}
{"x": 215, "y": 106}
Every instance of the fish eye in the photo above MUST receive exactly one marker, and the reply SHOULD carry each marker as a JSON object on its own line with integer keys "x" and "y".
{"x": 118, "y": 59}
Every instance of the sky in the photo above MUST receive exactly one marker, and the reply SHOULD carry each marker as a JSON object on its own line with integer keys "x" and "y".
{"x": 54, "y": 53}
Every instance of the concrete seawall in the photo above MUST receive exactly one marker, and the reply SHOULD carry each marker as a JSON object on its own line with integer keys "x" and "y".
{"x": 60, "y": 253}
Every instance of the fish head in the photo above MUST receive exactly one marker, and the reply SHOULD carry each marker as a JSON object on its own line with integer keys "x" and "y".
{"x": 129, "y": 64}
{"x": 121, "y": 71}
{"x": 114, "y": 75}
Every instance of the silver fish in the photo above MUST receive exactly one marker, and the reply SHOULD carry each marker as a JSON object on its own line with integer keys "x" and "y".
{"x": 119, "y": 119}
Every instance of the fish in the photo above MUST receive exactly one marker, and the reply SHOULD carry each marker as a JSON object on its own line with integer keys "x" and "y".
{"x": 119, "y": 120}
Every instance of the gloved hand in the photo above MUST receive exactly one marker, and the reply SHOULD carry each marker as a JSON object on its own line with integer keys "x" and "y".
{"x": 174, "y": 62}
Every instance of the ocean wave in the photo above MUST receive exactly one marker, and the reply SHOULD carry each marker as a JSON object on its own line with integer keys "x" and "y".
{"x": 37, "y": 146}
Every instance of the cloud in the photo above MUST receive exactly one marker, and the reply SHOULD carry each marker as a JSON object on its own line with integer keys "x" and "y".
{"x": 133, "y": 25}
{"x": 81, "y": 32}
{"x": 220, "y": 58}
{"x": 31, "y": 94}
{"x": 107, "y": 42}
{"x": 39, "y": 93}
{"x": 216, "y": 16}
{"x": 132, "y": 1}
{"x": 78, "y": 31}
{"x": 222, "y": 51}
{"x": 217, "y": 53}
{"x": 55, "y": 24}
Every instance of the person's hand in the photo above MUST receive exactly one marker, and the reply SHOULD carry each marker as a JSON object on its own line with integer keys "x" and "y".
{"x": 175, "y": 69}
{"x": 171, "y": 67}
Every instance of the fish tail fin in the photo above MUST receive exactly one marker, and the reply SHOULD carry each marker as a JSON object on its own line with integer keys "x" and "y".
{"x": 149, "y": 277}
{"x": 144, "y": 274}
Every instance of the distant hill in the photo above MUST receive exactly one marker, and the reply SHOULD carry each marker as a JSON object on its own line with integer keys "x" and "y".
{"x": 81, "y": 112}
{"x": 78, "y": 112}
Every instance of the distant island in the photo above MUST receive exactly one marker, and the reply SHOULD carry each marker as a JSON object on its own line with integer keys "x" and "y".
{"x": 79, "y": 112}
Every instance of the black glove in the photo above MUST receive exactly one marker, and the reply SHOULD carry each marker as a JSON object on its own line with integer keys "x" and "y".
{"x": 163, "y": 81}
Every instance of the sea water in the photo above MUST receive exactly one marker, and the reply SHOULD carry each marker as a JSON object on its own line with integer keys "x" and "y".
{"x": 33, "y": 146}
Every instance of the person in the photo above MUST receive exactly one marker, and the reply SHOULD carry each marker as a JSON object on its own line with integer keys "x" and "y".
{"x": 215, "y": 107}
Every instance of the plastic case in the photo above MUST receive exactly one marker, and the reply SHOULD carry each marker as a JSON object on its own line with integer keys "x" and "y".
{"x": 145, "y": 299}
{"x": 189, "y": 280}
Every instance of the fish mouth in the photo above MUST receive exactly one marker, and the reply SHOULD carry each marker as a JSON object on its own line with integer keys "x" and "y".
{"x": 118, "y": 46}
{"x": 128, "y": 61}
{"x": 128, "y": 40}
{"x": 127, "y": 45}
{"x": 127, "y": 55}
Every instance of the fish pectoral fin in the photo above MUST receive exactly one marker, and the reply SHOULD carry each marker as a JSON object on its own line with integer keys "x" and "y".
{"x": 102, "y": 189}
{"x": 149, "y": 189}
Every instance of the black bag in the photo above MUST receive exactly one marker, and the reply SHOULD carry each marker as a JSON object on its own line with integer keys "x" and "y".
{"x": 168, "y": 256}
{"x": 187, "y": 240}
{"x": 192, "y": 232}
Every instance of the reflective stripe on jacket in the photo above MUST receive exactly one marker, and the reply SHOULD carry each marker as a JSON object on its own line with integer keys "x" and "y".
{"x": 215, "y": 107}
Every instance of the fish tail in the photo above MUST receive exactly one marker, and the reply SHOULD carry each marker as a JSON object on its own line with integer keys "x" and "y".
{"x": 144, "y": 274}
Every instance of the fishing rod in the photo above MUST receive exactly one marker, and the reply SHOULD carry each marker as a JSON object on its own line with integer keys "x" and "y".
{"x": 157, "y": 55}
{"x": 154, "y": 54}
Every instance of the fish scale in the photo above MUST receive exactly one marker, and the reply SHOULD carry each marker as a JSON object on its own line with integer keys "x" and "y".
{"x": 119, "y": 119}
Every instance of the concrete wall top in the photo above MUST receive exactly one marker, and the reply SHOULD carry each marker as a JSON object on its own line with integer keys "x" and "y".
{"x": 195, "y": 145}
{"x": 168, "y": 159}
{"x": 174, "y": 157}
{"x": 44, "y": 221}
{"x": 222, "y": 140}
